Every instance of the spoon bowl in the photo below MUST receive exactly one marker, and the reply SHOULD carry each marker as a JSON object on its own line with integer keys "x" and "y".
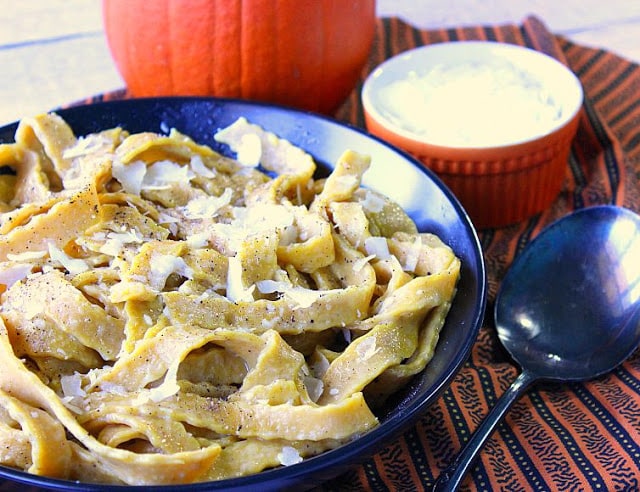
{"x": 568, "y": 310}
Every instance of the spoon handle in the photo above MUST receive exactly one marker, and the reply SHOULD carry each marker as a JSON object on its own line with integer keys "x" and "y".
{"x": 451, "y": 477}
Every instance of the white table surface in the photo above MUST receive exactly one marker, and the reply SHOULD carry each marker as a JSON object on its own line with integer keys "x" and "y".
{"x": 54, "y": 52}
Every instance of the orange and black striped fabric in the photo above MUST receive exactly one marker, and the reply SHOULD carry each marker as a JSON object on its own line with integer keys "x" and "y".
{"x": 558, "y": 437}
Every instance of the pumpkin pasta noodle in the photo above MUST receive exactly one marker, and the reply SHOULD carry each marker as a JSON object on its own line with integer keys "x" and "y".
{"x": 171, "y": 315}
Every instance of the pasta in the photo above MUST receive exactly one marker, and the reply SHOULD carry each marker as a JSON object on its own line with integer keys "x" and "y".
{"x": 170, "y": 315}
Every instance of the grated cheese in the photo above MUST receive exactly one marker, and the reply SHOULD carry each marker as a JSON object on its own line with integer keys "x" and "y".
{"x": 471, "y": 104}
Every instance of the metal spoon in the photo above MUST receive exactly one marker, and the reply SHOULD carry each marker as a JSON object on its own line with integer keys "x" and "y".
{"x": 568, "y": 310}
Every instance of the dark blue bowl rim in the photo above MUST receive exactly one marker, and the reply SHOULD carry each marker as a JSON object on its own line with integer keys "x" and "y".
{"x": 312, "y": 471}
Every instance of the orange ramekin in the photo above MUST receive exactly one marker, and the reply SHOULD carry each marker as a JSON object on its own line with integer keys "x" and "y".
{"x": 498, "y": 184}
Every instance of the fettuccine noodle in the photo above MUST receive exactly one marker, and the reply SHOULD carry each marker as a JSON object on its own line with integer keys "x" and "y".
{"x": 170, "y": 315}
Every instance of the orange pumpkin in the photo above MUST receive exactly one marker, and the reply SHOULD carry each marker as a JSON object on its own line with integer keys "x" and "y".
{"x": 303, "y": 53}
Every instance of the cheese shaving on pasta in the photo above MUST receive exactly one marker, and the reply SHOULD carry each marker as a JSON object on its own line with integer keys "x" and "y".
{"x": 171, "y": 315}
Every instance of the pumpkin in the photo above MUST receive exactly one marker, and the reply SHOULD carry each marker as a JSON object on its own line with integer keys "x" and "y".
{"x": 303, "y": 53}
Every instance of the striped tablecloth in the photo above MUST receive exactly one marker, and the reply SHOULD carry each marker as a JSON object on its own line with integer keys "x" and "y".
{"x": 558, "y": 437}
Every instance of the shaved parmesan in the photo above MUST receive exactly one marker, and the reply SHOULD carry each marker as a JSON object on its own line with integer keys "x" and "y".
{"x": 346, "y": 333}
{"x": 110, "y": 387}
{"x": 235, "y": 288}
{"x": 162, "y": 174}
{"x": 198, "y": 167}
{"x": 289, "y": 456}
{"x": 72, "y": 385}
{"x": 314, "y": 386}
{"x": 367, "y": 348}
{"x": 288, "y": 235}
{"x": 164, "y": 218}
{"x": 243, "y": 139}
{"x": 26, "y": 256}
{"x": 376, "y": 245}
{"x": 10, "y": 274}
{"x": 169, "y": 386}
{"x": 170, "y": 221}
{"x": 129, "y": 175}
{"x": 249, "y": 150}
{"x": 207, "y": 206}
{"x": 347, "y": 181}
{"x": 86, "y": 145}
{"x": 373, "y": 202}
{"x": 268, "y": 324}
{"x": 250, "y": 222}
{"x": 320, "y": 365}
{"x": 263, "y": 147}
{"x": 263, "y": 218}
{"x": 199, "y": 240}
{"x": 164, "y": 265}
{"x": 271, "y": 286}
{"x": 73, "y": 265}
{"x": 359, "y": 265}
{"x": 116, "y": 241}
{"x": 413, "y": 255}
{"x": 303, "y": 297}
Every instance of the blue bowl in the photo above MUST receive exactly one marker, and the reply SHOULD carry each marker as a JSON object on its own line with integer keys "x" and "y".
{"x": 394, "y": 173}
